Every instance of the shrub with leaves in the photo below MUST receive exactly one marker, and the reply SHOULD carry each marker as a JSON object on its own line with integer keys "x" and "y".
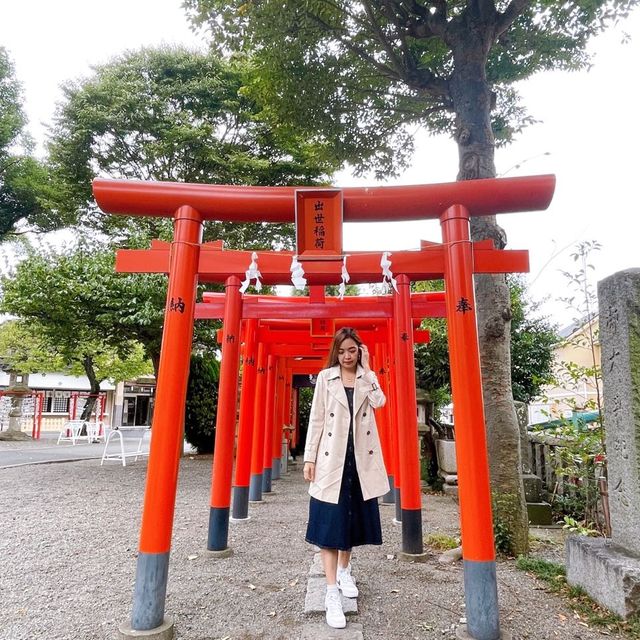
{"x": 202, "y": 403}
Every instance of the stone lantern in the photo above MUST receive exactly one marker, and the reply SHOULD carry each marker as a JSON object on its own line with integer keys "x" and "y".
{"x": 16, "y": 392}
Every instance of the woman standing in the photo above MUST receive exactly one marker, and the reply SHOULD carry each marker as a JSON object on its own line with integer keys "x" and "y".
{"x": 343, "y": 462}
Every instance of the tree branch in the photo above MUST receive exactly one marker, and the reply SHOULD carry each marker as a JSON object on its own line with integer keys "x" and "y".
{"x": 395, "y": 12}
{"x": 515, "y": 9}
{"x": 486, "y": 10}
{"x": 382, "y": 39}
{"x": 339, "y": 9}
{"x": 427, "y": 24}
{"x": 337, "y": 32}
{"x": 387, "y": 72}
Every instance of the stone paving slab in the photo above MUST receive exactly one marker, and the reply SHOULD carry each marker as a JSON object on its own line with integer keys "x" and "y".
{"x": 316, "y": 570}
{"x": 322, "y": 631}
{"x": 314, "y": 599}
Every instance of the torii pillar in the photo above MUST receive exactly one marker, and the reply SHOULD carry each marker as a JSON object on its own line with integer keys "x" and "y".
{"x": 246, "y": 426}
{"x": 225, "y": 421}
{"x": 166, "y": 445}
{"x": 407, "y": 427}
{"x": 476, "y": 522}
{"x": 257, "y": 443}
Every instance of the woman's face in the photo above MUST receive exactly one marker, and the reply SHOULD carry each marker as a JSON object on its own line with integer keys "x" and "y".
{"x": 348, "y": 354}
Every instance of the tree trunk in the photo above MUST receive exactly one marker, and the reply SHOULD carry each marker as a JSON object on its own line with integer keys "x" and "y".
{"x": 472, "y": 100}
{"x": 155, "y": 361}
{"x": 94, "y": 388}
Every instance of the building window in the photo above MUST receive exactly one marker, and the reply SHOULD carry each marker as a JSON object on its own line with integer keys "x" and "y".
{"x": 56, "y": 402}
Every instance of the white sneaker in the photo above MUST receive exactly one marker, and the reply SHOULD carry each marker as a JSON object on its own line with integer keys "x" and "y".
{"x": 346, "y": 583}
{"x": 333, "y": 606}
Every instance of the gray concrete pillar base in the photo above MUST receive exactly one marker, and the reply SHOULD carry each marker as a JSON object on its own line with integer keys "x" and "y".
{"x": 232, "y": 519}
{"x": 463, "y": 634}
{"x": 218, "y": 554}
{"x": 164, "y": 632}
{"x": 413, "y": 557}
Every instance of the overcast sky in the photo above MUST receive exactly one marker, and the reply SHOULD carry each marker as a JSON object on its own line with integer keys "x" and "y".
{"x": 588, "y": 131}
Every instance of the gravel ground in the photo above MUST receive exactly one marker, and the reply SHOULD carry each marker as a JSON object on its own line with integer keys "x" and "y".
{"x": 69, "y": 540}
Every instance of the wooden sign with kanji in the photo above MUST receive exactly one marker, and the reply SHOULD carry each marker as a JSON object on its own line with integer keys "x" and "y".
{"x": 319, "y": 224}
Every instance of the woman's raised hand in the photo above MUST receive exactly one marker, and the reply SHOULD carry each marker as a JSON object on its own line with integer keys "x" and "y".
{"x": 364, "y": 357}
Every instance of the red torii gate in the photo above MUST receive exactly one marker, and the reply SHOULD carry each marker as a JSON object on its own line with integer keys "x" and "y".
{"x": 456, "y": 260}
{"x": 375, "y": 334}
{"x": 287, "y": 340}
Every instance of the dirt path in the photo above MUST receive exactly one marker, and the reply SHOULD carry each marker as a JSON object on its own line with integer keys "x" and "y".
{"x": 69, "y": 540}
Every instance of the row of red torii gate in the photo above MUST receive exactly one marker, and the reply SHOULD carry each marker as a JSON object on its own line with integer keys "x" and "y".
{"x": 275, "y": 338}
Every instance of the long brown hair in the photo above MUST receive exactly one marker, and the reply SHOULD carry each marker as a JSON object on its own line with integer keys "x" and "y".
{"x": 338, "y": 339}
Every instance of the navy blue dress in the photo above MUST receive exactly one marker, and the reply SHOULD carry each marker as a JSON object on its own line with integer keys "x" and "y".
{"x": 353, "y": 521}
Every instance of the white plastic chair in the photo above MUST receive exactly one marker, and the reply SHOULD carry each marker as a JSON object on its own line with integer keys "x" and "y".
{"x": 72, "y": 431}
{"x": 97, "y": 431}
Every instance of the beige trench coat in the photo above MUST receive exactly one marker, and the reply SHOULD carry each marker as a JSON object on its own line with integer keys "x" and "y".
{"x": 328, "y": 431}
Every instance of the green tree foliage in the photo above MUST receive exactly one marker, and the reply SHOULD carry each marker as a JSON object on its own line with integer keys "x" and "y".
{"x": 175, "y": 115}
{"x": 202, "y": 403}
{"x": 361, "y": 71}
{"x": 432, "y": 359}
{"x": 171, "y": 115}
{"x": 70, "y": 305}
{"x": 533, "y": 339}
{"x": 24, "y": 181}
{"x": 22, "y": 350}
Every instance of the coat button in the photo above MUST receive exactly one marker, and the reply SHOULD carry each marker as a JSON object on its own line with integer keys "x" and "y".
{"x": 368, "y": 433}
{"x": 371, "y": 452}
{"x": 326, "y": 453}
{"x": 329, "y": 432}
{"x": 331, "y": 415}
{"x": 364, "y": 415}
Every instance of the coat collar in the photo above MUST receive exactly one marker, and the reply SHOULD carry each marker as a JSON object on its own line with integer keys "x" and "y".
{"x": 336, "y": 387}
{"x": 334, "y": 372}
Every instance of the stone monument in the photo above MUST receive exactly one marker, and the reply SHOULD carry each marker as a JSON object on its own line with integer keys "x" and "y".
{"x": 609, "y": 570}
{"x": 16, "y": 391}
